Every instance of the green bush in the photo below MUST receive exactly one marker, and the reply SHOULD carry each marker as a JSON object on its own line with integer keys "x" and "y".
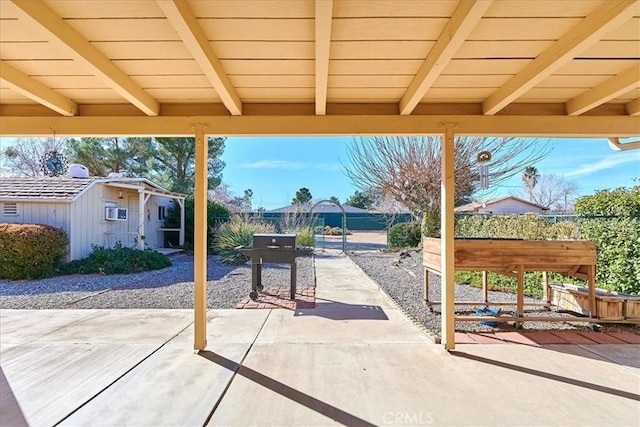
{"x": 306, "y": 237}
{"x": 239, "y": 232}
{"x": 405, "y": 235}
{"x": 611, "y": 218}
{"x": 116, "y": 260}
{"x": 216, "y": 214}
{"x": 334, "y": 231}
{"x": 30, "y": 251}
{"x": 526, "y": 227}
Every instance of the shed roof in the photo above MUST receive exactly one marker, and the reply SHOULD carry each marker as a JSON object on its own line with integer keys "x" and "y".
{"x": 64, "y": 188}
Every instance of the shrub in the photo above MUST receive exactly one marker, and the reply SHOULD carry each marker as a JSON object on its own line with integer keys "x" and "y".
{"x": 30, "y": 251}
{"x": 564, "y": 230}
{"x": 527, "y": 227}
{"x": 617, "y": 238}
{"x": 306, "y": 237}
{"x": 239, "y": 232}
{"x": 116, "y": 260}
{"x": 334, "y": 231}
{"x": 216, "y": 214}
{"x": 405, "y": 235}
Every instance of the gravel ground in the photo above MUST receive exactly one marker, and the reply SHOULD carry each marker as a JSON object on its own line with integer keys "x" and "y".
{"x": 402, "y": 280}
{"x": 171, "y": 287}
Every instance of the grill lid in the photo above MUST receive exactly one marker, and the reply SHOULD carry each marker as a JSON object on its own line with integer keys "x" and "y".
{"x": 274, "y": 241}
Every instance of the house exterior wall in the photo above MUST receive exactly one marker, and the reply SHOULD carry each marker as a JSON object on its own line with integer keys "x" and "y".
{"x": 509, "y": 206}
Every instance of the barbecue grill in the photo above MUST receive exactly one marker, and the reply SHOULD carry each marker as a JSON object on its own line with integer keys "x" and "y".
{"x": 275, "y": 249}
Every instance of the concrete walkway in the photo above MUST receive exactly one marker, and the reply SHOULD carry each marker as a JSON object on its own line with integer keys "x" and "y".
{"x": 353, "y": 360}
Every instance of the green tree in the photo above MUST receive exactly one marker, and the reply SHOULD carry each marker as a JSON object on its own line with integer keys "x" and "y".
{"x": 361, "y": 200}
{"x": 334, "y": 199}
{"x": 303, "y": 196}
{"x": 168, "y": 161}
{"x": 216, "y": 215}
{"x": 103, "y": 155}
{"x": 174, "y": 162}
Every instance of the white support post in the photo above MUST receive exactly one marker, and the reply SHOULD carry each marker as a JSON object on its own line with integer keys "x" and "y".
{"x": 182, "y": 215}
{"x": 200, "y": 239}
{"x": 141, "y": 218}
{"x": 447, "y": 237}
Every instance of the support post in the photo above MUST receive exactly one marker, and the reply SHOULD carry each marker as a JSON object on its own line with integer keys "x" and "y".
{"x": 182, "y": 216}
{"x": 141, "y": 216}
{"x": 200, "y": 239}
{"x": 447, "y": 241}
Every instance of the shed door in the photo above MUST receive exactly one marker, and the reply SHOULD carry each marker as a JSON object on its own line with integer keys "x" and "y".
{"x": 134, "y": 211}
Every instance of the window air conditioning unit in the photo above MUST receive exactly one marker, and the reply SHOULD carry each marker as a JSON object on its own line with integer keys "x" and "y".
{"x": 116, "y": 214}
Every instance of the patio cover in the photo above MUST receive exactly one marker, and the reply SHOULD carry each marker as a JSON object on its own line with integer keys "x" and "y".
{"x": 562, "y": 68}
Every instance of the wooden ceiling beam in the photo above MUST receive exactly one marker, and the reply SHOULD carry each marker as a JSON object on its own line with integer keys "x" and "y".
{"x": 633, "y": 108}
{"x": 462, "y": 22}
{"x": 606, "y": 17}
{"x": 68, "y": 40}
{"x": 324, "y": 16}
{"x": 33, "y": 89}
{"x": 309, "y": 125}
{"x": 186, "y": 25}
{"x": 605, "y": 91}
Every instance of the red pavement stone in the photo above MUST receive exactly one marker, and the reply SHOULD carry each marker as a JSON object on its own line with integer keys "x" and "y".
{"x": 274, "y": 296}
{"x": 573, "y": 337}
{"x": 628, "y": 337}
{"x": 485, "y": 338}
{"x": 462, "y": 338}
{"x": 545, "y": 337}
{"x": 602, "y": 338}
{"x": 515, "y": 338}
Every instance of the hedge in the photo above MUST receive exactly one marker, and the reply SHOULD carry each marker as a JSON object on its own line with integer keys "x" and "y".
{"x": 30, "y": 251}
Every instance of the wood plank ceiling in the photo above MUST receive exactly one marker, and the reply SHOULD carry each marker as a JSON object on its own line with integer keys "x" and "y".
{"x": 550, "y": 59}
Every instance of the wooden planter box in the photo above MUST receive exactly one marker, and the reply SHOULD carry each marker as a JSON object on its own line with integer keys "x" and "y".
{"x": 571, "y": 298}
{"x": 512, "y": 257}
{"x": 632, "y": 308}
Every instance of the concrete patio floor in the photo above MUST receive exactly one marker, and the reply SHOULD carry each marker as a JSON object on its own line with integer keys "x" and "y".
{"x": 353, "y": 360}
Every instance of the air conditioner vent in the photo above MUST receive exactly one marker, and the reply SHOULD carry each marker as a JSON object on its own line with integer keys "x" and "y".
{"x": 116, "y": 214}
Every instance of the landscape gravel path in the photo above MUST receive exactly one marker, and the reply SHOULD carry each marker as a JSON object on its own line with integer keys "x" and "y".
{"x": 169, "y": 288}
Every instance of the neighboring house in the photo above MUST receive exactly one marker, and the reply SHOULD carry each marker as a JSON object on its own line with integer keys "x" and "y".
{"x": 323, "y": 207}
{"x": 501, "y": 206}
{"x": 92, "y": 211}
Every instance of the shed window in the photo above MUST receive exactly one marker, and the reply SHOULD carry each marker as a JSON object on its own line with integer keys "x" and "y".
{"x": 10, "y": 209}
{"x": 161, "y": 213}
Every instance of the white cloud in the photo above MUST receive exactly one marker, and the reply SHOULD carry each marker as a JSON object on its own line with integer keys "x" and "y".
{"x": 608, "y": 162}
{"x": 288, "y": 165}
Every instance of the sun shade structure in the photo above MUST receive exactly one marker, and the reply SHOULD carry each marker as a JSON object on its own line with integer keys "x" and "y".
{"x": 326, "y": 67}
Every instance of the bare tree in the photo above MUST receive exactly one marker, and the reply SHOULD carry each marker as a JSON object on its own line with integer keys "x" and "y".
{"x": 24, "y": 157}
{"x": 554, "y": 192}
{"x": 408, "y": 168}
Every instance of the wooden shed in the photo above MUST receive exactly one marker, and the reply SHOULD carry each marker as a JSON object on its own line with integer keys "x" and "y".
{"x": 92, "y": 211}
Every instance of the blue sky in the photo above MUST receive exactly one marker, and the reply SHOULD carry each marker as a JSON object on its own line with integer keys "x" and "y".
{"x": 276, "y": 167}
